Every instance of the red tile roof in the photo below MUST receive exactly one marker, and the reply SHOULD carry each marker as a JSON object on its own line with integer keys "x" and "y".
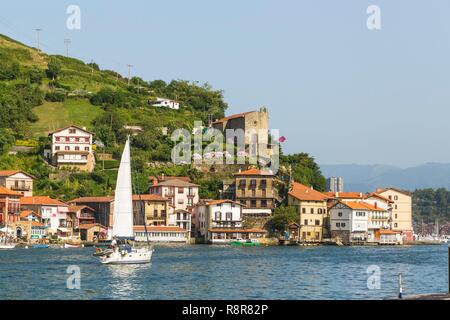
{"x": 149, "y": 197}
{"x": 385, "y": 231}
{"x": 175, "y": 183}
{"x": 304, "y": 193}
{"x": 92, "y": 199}
{"x": 160, "y": 229}
{"x": 234, "y": 116}
{"x": 26, "y": 213}
{"x": 394, "y": 189}
{"x": 6, "y": 192}
{"x": 213, "y": 202}
{"x": 72, "y": 126}
{"x": 361, "y": 206}
{"x": 86, "y": 226}
{"x": 78, "y": 208}
{"x": 254, "y": 172}
{"x": 376, "y": 195}
{"x": 345, "y": 195}
{"x": 41, "y": 200}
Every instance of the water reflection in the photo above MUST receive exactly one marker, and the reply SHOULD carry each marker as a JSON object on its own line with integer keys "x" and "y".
{"x": 126, "y": 281}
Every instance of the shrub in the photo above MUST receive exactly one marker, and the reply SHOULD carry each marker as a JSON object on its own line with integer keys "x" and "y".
{"x": 55, "y": 96}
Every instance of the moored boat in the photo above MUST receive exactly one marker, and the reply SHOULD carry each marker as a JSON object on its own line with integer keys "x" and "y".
{"x": 7, "y": 246}
{"x": 245, "y": 243}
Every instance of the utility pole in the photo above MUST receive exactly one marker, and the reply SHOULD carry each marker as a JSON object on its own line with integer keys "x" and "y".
{"x": 129, "y": 72}
{"x": 38, "y": 30}
{"x": 67, "y": 42}
{"x": 92, "y": 67}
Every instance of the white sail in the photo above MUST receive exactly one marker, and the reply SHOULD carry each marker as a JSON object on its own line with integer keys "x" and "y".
{"x": 123, "y": 203}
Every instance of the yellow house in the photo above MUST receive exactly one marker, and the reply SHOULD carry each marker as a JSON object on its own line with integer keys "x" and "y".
{"x": 401, "y": 211}
{"x": 156, "y": 210}
{"x": 312, "y": 210}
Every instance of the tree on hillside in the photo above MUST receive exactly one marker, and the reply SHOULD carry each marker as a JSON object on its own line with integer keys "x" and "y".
{"x": 304, "y": 170}
{"x": 53, "y": 69}
{"x": 282, "y": 217}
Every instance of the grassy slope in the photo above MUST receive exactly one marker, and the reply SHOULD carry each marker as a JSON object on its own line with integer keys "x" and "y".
{"x": 53, "y": 115}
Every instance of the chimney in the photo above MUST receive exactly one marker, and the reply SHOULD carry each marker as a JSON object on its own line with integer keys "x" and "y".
{"x": 240, "y": 170}
{"x": 360, "y": 195}
{"x": 376, "y": 204}
{"x": 312, "y": 187}
{"x": 336, "y": 194}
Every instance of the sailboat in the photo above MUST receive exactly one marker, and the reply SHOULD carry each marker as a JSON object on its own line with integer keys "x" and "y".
{"x": 123, "y": 219}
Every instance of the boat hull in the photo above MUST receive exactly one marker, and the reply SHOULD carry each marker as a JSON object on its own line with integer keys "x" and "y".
{"x": 7, "y": 246}
{"x": 140, "y": 256}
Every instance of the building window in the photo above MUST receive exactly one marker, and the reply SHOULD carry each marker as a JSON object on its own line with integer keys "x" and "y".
{"x": 303, "y": 210}
{"x": 67, "y": 148}
{"x": 77, "y": 139}
{"x": 253, "y": 203}
{"x": 317, "y": 222}
{"x": 242, "y": 184}
{"x": 86, "y": 149}
{"x": 305, "y": 222}
{"x": 343, "y": 225}
{"x": 229, "y": 216}
{"x": 312, "y": 210}
{"x": 180, "y": 190}
{"x": 395, "y": 197}
{"x": 57, "y": 139}
{"x": 263, "y": 183}
{"x": 72, "y": 131}
{"x": 395, "y": 225}
{"x": 252, "y": 184}
{"x": 264, "y": 203}
{"x": 57, "y": 148}
{"x": 217, "y": 214}
{"x": 339, "y": 214}
{"x": 77, "y": 148}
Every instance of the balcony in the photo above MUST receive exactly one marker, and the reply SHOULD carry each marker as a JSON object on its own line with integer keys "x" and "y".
{"x": 21, "y": 187}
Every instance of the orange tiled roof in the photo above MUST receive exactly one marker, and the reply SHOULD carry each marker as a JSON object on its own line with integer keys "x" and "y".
{"x": 394, "y": 189}
{"x": 26, "y": 213}
{"x": 86, "y": 226}
{"x": 302, "y": 192}
{"x": 175, "y": 183}
{"x": 254, "y": 172}
{"x": 6, "y": 192}
{"x": 373, "y": 194}
{"x": 78, "y": 208}
{"x": 234, "y": 116}
{"x": 345, "y": 195}
{"x": 362, "y": 206}
{"x": 160, "y": 228}
{"x": 149, "y": 197}
{"x": 383, "y": 231}
{"x": 91, "y": 199}
{"x": 41, "y": 200}
{"x": 72, "y": 126}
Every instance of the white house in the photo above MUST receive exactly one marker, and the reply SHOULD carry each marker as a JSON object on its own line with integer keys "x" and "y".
{"x": 349, "y": 221}
{"x": 161, "y": 234}
{"x": 72, "y": 148}
{"x": 220, "y": 221}
{"x": 17, "y": 180}
{"x": 166, "y": 103}
{"x": 181, "y": 194}
{"x": 180, "y": 218}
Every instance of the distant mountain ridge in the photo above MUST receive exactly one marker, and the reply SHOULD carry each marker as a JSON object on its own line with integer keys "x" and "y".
{"x": 366, "y": 178}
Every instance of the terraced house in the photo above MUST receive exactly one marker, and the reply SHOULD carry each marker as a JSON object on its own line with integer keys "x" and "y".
{"x": 182, "y": 194}
{"x": 311, "y": 206}
{"x": 254, "y": 188}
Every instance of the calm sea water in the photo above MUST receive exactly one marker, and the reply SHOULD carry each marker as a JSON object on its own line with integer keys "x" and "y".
{"x": 222, "y": 272}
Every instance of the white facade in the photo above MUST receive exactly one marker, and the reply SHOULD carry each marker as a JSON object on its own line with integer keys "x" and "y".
{"x": 181, "y": 219}
{"x": 161, "y": 234}
{"x": 182, "y": 195}
{"x": 217, "y": 214}
{"x": 72, "y": 146}
{"x": 167, "y": 103}
{"x": 17, "y": 181}
{"x": 349, "y": 223}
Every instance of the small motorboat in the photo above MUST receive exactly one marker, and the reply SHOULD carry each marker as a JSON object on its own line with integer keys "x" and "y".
{"x": 73, "y": 245}
{"x": 40, "y": 246}
{"x": 7, "y": 246}
{"x": 245, "y": 243}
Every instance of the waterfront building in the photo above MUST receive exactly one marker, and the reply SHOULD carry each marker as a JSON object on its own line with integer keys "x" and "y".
{"x": 17, "y": 180}
{"x": 221, "y": 221}
{"x": 9, "y": 206}
{"x": 31, "y": 231}
{"x": 78, "y": 216}
{"x": 154, "y": 180}
{"x": 103, "y": 207}
{"x": 401, "y": 211}
{"x": 379, "y": 220}
{"x": 151, "y": 209}
{"x": 182, "y": 195}
{"x": 180, "y": 218}
{"x": 52, "y": 211}
{"x": 255, "y": 190}
{"x": 335, "y": 184}
{"x": 311, "y": 206}
{"x": 92, "y": 232}
{"x": 72, "y": 148}
{"x": 161, "y": 234}
{"x": 349, "y": 221}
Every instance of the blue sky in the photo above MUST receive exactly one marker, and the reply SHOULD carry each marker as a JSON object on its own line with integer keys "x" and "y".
{"x": 335, "y": 89}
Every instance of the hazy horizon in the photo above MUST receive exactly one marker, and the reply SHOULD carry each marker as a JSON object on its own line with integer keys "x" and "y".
{"x": 336, "y": 90}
